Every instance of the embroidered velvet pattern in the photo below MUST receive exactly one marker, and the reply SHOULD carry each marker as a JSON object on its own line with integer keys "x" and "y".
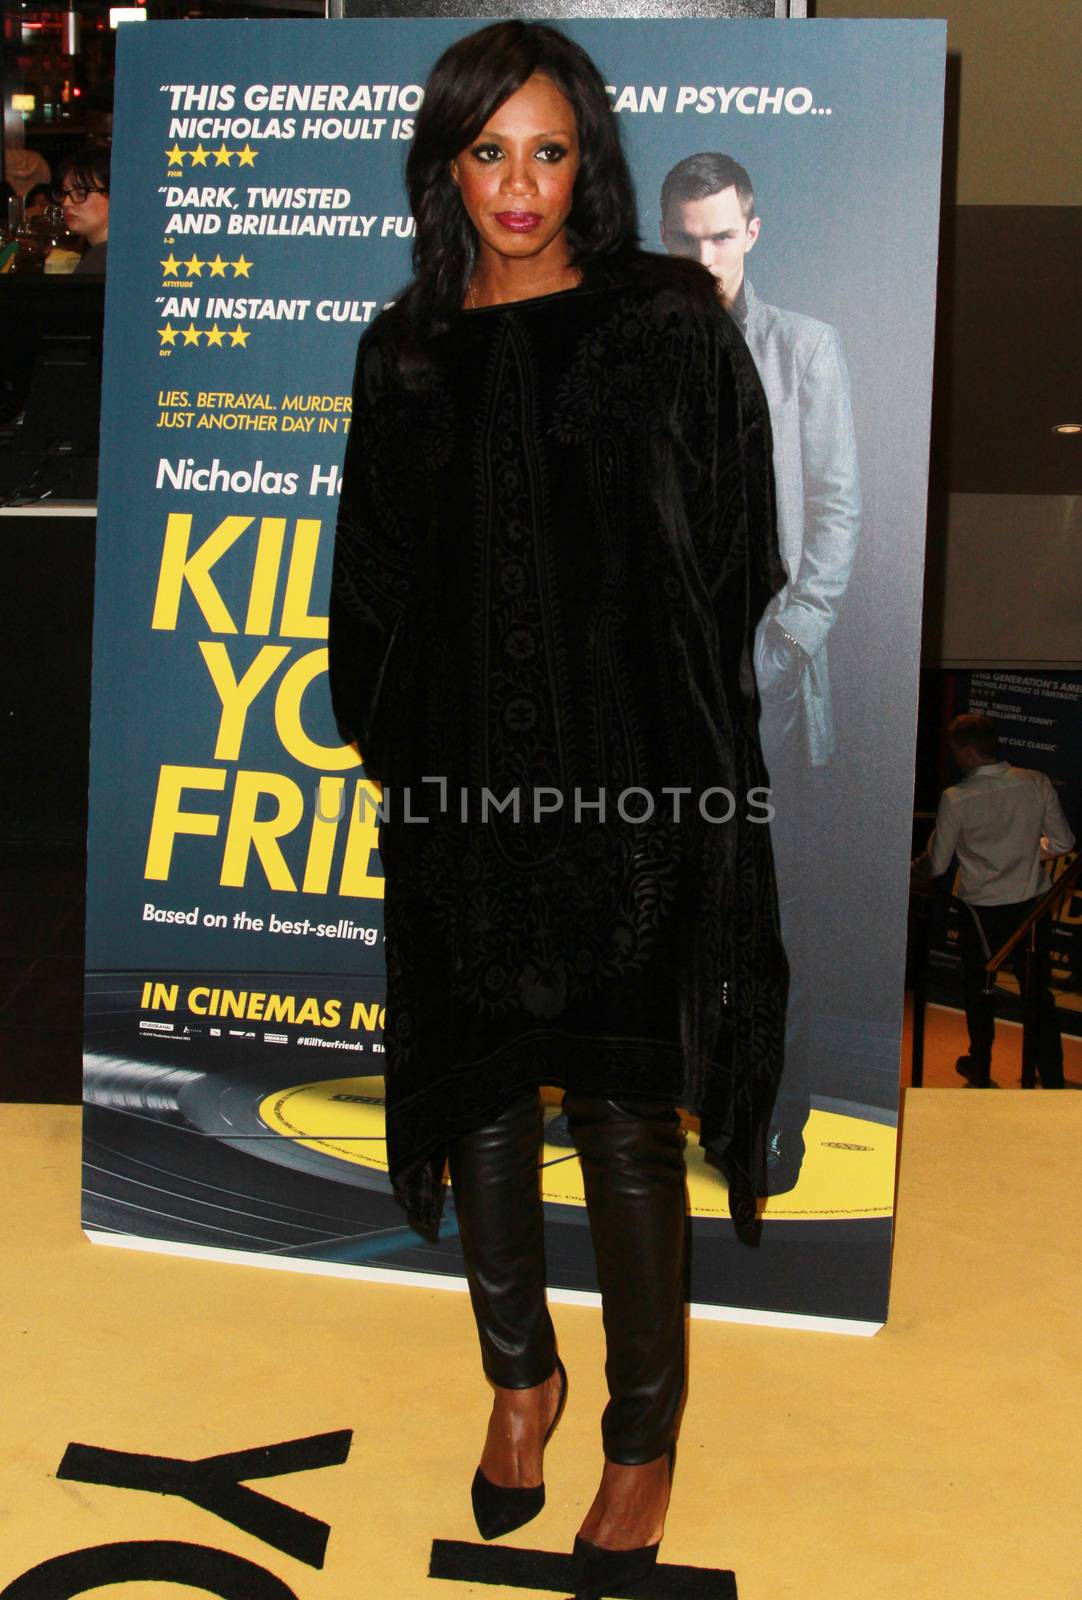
{"x": 550, "y": 561}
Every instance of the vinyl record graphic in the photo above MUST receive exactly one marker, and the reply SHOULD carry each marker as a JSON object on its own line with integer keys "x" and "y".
{"x": 848, "y": 1171}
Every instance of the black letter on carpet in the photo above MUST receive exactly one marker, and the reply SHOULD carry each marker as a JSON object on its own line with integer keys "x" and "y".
{"x": 216, "y": 1483}
{"x": 148, "y": 1561}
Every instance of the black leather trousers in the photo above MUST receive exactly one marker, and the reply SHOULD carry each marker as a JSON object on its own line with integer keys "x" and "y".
{"x": 633, "y": 1167}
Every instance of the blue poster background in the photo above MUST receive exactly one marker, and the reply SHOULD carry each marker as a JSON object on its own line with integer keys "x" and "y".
{"x": 234, "y": 924}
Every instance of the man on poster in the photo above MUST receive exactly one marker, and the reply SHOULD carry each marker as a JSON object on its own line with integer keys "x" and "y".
{"x": 708, "y": 212}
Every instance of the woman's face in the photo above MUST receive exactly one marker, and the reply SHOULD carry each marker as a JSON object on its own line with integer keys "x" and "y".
{"x": 517, "y": 178}
{"x": 89, "y": 216}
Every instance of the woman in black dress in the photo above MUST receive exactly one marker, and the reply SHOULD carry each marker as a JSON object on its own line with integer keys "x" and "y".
{"x": 555, "y": 539}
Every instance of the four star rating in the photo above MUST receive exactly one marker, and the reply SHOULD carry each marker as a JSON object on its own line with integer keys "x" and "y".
{"x": 213, "y": 335}
{"x": 181, "y": 270}
{"x": 202, "y": 157}
{"x": 192, "y": 267}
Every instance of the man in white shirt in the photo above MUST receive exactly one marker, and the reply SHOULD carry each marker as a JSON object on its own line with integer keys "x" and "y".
{"x": 1001, "y": 822}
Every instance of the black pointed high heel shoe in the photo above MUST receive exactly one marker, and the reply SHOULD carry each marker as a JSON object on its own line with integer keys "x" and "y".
{"x": 497, "y": 1510}
{"x": 599, "y": 1572}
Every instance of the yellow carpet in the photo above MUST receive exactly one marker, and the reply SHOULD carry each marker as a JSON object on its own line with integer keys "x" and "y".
{"x": 946, "y": 1038}
{"x": 939, "y": 1459}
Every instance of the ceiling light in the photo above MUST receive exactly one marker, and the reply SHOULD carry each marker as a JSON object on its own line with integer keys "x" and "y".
{"x": 1067, "y": 427}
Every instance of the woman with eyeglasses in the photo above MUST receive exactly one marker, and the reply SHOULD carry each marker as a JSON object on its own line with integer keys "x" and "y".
{"x": 83, "y": 190}
{"x": 555, "y": 539}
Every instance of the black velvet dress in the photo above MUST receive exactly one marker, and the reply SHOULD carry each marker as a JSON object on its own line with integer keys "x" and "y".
{"x": 552, "y": 552}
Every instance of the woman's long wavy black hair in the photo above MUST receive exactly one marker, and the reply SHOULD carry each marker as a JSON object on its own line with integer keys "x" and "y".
{"x": 469, "y": 81}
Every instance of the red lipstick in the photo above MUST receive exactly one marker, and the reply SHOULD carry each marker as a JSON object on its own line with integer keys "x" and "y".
{"x": 518, "y": 221}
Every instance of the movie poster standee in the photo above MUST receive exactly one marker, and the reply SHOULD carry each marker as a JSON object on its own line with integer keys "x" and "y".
{"x": 234, "y": 992}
